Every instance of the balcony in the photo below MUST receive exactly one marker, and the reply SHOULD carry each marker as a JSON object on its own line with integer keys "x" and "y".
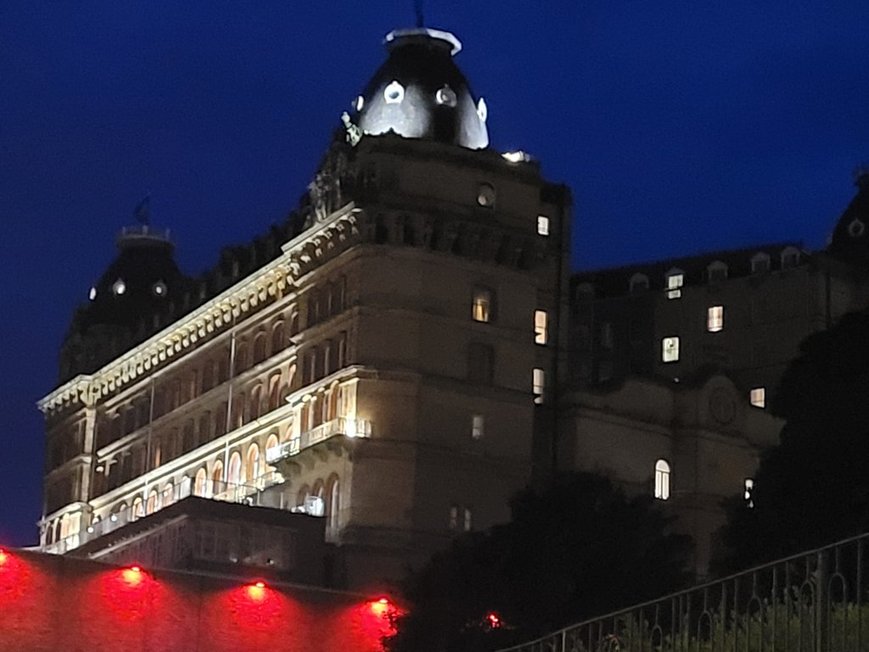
{"x": 340, "y": 427}
{"x": 250, "y": 494}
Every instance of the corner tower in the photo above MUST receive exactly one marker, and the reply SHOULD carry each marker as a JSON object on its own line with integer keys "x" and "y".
{"x": 392, "y": 367}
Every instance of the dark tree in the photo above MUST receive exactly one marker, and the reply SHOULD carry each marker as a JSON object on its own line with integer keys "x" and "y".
{"x": 579, "y": 549}
{"x": 813, "y": 488}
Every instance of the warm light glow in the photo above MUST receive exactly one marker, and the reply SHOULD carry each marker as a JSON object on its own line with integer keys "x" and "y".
{"x": 381, "y": 607}
{"x": 133, "y": 575}
{"x": 257, "y": 591}
{"x": 350, "y": 427}
{"x": 493, "y": 620}
{"x": 3, "y": 556}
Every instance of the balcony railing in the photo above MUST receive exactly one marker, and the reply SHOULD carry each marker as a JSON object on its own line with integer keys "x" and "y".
{"x": 816, "y": 601}
{"x": 340, "y": 427}
{"x": 250, "y": 494}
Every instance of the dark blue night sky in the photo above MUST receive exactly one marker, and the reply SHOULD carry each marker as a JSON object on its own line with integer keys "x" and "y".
{"x": 680, "y": 126}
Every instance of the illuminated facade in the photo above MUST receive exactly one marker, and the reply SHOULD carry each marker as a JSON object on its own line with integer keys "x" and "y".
{"x": 396, "y": 357}
{"x": 377, "y": 361}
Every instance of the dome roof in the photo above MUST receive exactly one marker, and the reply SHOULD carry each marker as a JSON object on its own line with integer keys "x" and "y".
{"x": 850, "y": 238}
{"x": 419, "y": 92}
{"x": 138, "y": 285}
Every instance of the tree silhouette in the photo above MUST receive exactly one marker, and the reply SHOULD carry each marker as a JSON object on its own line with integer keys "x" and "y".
{"x": 813, "y": 488}
{"x": 579, "y": 549}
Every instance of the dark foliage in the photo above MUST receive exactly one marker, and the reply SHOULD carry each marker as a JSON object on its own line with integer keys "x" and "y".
{"x": 813, "y": 488}
{"x": 577, "y": 550}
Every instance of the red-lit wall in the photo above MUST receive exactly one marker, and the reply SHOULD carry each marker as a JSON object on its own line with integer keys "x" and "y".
{"x": 54, "y": 603}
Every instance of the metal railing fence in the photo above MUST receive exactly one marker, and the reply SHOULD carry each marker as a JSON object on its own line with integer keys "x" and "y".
{"x": 815, "y": 601}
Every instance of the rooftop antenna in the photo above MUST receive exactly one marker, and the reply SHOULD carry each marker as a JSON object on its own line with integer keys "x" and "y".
{"x": 420, "y": 20}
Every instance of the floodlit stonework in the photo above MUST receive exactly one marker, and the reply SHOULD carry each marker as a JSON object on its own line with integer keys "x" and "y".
{"x": 409, "y": 349}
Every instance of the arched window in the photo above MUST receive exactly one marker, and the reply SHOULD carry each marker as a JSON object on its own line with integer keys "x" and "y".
{"x": 259, "y": 348}
{"x": 234, "y": 475}
{"x": 716, "y": 271}
{"x": 138, "y": 508}
{"x": 240, "y": 357}
{"x": 152, "y": 504}
{"x": 216, "y": 478}
{"x": 638, "y": 283}
{"x": 278, "y": 339}
{"x": 334, "y": 505}
{"x": 168, "y": 495}
{"x": 255, "y": 402}
{"x": 760, "y": 263}
{"x": 251, "y": 465}
{"x": 662, "y": 480}
{"x": 274, "y": 392}
{"x": 304, "y": 492}
{"x": 200, "y": 484}
{"x": 271, "y": 442}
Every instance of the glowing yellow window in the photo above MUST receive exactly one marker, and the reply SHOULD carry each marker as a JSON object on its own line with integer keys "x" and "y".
{"x": 541, "y": 319}
{"x": 481, "y": 309}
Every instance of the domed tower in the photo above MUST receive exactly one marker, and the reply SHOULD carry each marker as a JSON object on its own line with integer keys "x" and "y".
{"x": 138, "y": 286}
{"x": 419, "y": 92}
{"x": 850, "y": 239}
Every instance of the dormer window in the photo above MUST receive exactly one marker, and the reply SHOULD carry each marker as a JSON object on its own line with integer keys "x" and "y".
{"x": 119, "y": 287}
{"x": 760, "y": 263}
{"x": 446, "y": 96}
{"x": 638, "y": 283}
{"x": 790, "y": 257}
{"x": 486, "y": 195}
{"x": 717, "y": 272}
{"x": 393, "y": 93}
{"x": 675, "y": 278}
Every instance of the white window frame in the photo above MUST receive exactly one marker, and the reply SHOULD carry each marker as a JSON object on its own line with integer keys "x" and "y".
{"x": 675, "y": 280}
{"x": 541, "y": 327}
{"x": 538, "y": 384}
{"x": 478, "y": 426}
{"x": 715, "y": 319}
{"x": 670, "y": 349}
{"x": 543, "y": 225}
{"x": 757, "y": 397}
{"x": 482, "y": 304}
{"x": 662, "y": 479}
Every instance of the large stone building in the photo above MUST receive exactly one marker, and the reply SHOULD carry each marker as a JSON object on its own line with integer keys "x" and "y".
{"x": 408, "y": 349}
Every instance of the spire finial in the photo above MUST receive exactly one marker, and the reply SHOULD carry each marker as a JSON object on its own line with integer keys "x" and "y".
{"x": 420, "y": 19}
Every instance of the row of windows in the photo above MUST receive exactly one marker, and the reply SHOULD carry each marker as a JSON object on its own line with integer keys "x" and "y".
{"x": 716, "y": 271}
{"x": 483, "y": 310}
{"x": 662, "y": 483}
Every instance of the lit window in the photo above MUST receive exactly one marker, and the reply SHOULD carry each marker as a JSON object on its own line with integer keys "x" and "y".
{"x": 446, "y": 96}
{"x": 542, "y": 225}
{"x": 481, "y": 309}
{"x": 359, "y": 103}
{"x": 662, "y": 480}
{"x": 159, "y": 289}
{"x": 748, "y": 489}
{"x": 538, "y": 383}
{"x": 478, "y": 426}
{"x": 757, "y": 396}
{"x": 92, "y": 294}
{"x": 670, "y": 349}
{"x": 541, "y": 319}
{"x": 482, "y": 110}
{"x": 467, "y": 520}
{"x": 675, "y": 279}
{"x": 715, "y": 319}
{"x": 119, "y": 287}
{"x": 393, "y": 93}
